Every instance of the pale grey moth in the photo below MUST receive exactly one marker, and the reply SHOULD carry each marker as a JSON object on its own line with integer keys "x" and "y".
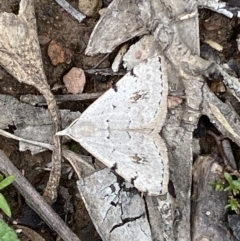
{"x": 121, "y": 128}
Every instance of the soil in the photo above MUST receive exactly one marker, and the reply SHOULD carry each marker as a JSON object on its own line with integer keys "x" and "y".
{"x": 54, "y": 23}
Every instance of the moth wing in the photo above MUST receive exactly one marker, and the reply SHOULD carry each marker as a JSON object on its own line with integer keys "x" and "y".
{"x": 137, "y": 102}
{"x": 137, "y": 157}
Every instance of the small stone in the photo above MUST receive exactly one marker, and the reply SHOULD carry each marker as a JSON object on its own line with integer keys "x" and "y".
{"x": 208, "y": 213}
{"x": 174, "y": 101}
{"x": 89, "y": 7}
{"x": 43, "y": 39}
{"x": 75, "y": 80}
{"x": 56, "y": 53}
{"x": 211, "y": 26}
{"x": 102, "y": 11}
{"x": 204, "y": 239}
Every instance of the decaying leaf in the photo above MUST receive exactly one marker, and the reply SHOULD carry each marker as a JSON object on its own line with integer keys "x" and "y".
{"x": 23, "y": 117}
{"x": 20, "y": 55}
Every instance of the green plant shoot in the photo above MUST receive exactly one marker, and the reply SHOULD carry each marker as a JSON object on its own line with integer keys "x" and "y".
{"x": 3, "y": 202}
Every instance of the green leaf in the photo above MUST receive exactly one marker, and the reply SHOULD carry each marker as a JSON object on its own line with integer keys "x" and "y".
{"x": 228, "y": 177}
{"x": 218, "y": 185}
{"x": 229, "y": 188}
{"x": 235, "y": 191}
{"x": 6, "y": 181}
{"x": 4, "y": 206}
{"x": 1, "y": 177}
{"x": 236, "y": 184}
{"x": 7, "y": 233}
{"x": 233, "y": 204}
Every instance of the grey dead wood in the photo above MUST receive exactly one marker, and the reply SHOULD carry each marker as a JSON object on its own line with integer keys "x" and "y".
{"x": 228, "y": 152}
{"x": 169, "y": 217}
{"x": 174, "y": 26}
{"x": 209, "y": 219}
{"x": 32, "y": 123}
{"x": 105, "y": 72}
{"x": 35, "y": 201}
{"x": 81, "y": 164}
{"x": 234, "y": 224}
{"x": 118, "y": 59}
{"x": 221, "y": 115}
{"x": 71, "y": 10}
{"x": 117, "y": 209}
{"x": 31, "y": 234}
{"x": 228, "y": 9}
{"x": 39, "y": 100}
{"x": 20, "y": 55}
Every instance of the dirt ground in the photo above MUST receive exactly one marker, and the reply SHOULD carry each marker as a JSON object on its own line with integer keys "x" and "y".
{"x": 54, "y": 23}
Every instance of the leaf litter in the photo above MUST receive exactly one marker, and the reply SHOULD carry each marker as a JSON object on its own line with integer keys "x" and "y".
{"x": 55, "y": 77}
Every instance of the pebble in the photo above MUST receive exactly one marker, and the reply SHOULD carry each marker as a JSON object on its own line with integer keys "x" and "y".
{"x": 174, "y": 101}
{"x": 56, "y": 53}
{"x": 43, "y": 39}
{"x": 75, "y": 80}
{"x": 89, "y": 7}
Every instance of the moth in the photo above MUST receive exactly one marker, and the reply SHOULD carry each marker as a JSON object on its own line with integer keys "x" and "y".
{"x": 121, "y": 129}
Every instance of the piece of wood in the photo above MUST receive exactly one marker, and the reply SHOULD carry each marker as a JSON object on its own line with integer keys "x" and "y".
{"x": 221, "y": 115}
{"x": 229, "y": 9}
{"x": 117, "y": 210}
{"x": 118, "y": 59}
{"x": 39, "y": 100}
{"x": 146, "y": 47}
{"x": 105, "y": 72}
{"x": 23, "y": 117}
{"x": 35, "y": 201}
{"x": 208, "y": 205}
{"x": 234, "y": 224}
{"x": 177, "y": 41}
{"x": 78, "y": 162}
{"x": 71, "y": 10}
{"x": 126, "y": 137}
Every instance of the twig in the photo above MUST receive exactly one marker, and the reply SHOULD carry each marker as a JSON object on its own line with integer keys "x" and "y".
{"x": 228, "y": 151}
{"x": 225, "y": 150}
{"x": 71, "y": 10}
{"x": 74, "y": 159}
{"x": 50, "y": 192}
{"x": 105, "y": 71}
{"x": 35, "y": 201}
{"x": 39, "y": 100}
{"x": 101, "y": 61}
{"x": 36, "y": 143}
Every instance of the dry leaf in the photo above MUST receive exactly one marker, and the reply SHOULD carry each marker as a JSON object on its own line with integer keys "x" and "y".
{"x": 20, "y": 55}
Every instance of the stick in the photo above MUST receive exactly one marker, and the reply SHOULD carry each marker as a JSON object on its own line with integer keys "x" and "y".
{"x": 35, "y": 201}
{"x": 101, "y": 61}
{"x": 74, "y": 159}
{"x": 105, "y": 71}
{"x": 225, "y": 150}
{"x": 39, "y": 100}
{"x": 71, "y": 10}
